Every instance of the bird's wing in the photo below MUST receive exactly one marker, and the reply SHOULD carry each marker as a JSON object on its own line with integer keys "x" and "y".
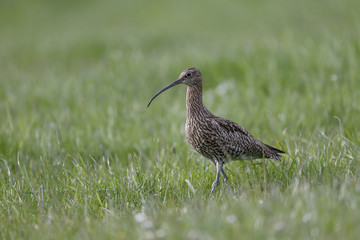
{"x": 231, "y": 127}
{"x": 238, "y": 143}
{"x": 235, "y": 141}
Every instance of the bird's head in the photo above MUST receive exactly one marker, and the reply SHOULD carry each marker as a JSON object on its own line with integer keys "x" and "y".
{"x": 190, "y": 77}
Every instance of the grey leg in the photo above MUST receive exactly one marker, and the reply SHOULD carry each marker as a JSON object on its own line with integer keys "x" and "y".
{"x": 226, "y": 179}
{"x": 224, "y": 175}
{"x": 218, "y": 170}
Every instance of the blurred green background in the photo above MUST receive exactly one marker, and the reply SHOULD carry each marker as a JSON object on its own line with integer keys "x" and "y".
{"x": 82, "y": 64}
{"x": 82, "y": 156}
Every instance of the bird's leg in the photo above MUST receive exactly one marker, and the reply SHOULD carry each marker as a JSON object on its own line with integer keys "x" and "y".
{"x": 216, "y": 182}
{"x": 224, "y": 175}
{"x": 226, "y": 180}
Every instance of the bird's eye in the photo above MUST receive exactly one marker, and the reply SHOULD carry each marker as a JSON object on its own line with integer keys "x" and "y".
{"x": 188, "y": 74}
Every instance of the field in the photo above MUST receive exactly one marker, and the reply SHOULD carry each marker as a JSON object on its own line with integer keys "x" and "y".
{"x": 81, "y": 157}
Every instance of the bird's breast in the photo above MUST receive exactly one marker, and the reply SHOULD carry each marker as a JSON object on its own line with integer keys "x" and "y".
{"x": 193, "y": 133}
{"x": 201, "y": 138}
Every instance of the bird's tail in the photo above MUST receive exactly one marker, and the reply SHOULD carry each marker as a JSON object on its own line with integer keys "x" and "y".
{"x": 275, "y": 149}
{"x": 274, "y": 152}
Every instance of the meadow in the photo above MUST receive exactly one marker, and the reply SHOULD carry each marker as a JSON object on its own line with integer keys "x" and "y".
{"x": 81, "y": 157}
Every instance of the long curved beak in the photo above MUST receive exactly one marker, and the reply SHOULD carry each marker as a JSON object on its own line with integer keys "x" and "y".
{"x": 164, "y": 89}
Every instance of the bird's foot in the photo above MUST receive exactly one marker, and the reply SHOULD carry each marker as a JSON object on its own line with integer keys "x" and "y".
{"x": 212, "y": 190}
{"x": 227, "y": 185}
{"x": 214, "y": 185}
{"x": 226, "y": 180}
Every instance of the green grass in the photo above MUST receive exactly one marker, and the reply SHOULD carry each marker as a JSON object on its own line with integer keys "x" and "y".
{"x": 81, "y": 157}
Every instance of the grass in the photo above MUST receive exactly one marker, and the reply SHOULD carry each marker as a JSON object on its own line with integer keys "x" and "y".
{"x": 82, "y": 157}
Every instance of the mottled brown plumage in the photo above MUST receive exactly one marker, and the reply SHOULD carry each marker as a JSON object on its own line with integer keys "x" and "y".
{"x": 218, "y": 139}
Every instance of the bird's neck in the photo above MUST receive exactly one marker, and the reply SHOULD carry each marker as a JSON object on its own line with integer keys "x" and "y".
{"x": 194, "y": 102}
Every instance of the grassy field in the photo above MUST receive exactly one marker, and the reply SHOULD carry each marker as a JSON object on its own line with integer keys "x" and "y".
{"x": 81, "y": 157}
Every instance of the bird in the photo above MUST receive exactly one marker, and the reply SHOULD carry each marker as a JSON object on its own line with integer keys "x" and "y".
{"x": 217, "y": 139}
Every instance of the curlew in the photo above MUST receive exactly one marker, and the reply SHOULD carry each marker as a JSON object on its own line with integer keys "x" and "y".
{"x": 218, "y": 139}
